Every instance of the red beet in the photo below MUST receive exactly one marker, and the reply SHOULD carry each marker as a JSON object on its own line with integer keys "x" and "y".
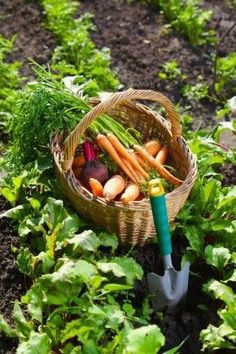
{"x": 92, "y": 168}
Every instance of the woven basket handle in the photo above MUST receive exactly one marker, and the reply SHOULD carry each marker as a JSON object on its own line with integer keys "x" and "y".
{"x": 71, "y": 141}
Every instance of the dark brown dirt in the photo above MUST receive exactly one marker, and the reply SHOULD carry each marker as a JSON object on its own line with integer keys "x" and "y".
{"x": 229, "y": 172}
{"x": 139, "y": 46}
{"x": 12, "y": 282}
{"x": 24, "y": 19}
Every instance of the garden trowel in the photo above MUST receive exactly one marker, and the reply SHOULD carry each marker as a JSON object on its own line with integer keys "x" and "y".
{"x": 169, "y": 290}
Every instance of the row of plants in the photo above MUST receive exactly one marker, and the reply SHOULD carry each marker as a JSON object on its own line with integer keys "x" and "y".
{"x": 188, "y": 18}
{"x": 219, "y": 92}
{"x": 82, "y": 295}
{"x": 9, "y": 83}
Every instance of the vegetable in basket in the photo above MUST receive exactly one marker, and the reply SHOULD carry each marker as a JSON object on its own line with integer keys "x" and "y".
{"x": 96, "y": 187}
{"x": 162, "y": 155}
{"x": 152, "y": 147}
{"x": 130, "y": 194}
{"x": 105, "y": 145}
{"x": 157, "y": 165}
{"x": 92, "y": 168}
{"x": 114, "y": 186}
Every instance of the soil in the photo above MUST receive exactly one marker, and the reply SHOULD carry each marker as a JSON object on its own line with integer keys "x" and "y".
{"x": 23, "y": 18}
{"x": 188, "y": 320}
{"x": 229, "y": 172}
{"x": 12, "y": 282}
{"x": 139, "y": 47}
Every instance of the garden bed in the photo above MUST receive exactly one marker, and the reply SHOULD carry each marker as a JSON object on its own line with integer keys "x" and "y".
{"x": 139, "y": 45}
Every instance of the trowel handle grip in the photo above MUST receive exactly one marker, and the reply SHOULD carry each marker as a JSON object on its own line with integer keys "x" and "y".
{"x": 160, "y": 217}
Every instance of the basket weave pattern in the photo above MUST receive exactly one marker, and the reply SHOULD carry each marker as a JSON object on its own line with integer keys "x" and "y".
{"x": 133, "y": 223}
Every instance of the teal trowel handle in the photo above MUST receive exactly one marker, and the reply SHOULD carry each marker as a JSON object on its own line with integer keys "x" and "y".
{"x": 160, "y": 216}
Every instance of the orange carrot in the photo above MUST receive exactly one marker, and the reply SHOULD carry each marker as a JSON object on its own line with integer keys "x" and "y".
{"x": 96, "y": 186}
{"x": 156, "y": 164}
{"x": 152, "y": 147}
{"x": 133, "y": 173}
{"x": 105, "y": 144}
{"x": 139, "y": 159}
{"x": 114, "y": 186}
{"x": 121, "y": 150}
{"x": 142, "y": 162}
{"x": 130, "y": 194}
{"x": 79, "y": 160}
{"x": 162, "y": 155}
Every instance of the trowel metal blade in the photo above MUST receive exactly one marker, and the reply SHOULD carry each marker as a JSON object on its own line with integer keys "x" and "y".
{"x": 169, "y": 290}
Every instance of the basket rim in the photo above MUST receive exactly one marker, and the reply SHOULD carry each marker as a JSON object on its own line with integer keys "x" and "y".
{"x": 141, "y": 205}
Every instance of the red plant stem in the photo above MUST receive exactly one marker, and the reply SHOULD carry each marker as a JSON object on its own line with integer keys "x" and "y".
{"x": 89, "y": 152}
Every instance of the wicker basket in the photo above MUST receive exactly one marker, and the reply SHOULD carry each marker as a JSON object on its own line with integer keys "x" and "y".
{"x": 134, "y": 223}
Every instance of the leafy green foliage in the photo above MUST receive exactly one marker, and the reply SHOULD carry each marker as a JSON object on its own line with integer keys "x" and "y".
{"x": 9, "y": 81}
{"x": 187, "y": 17}
{"x": 171, "y": 71}
{"x": 224, "y": 336}
{"x": 77, "y": 54}
{"x": 11, "y": 192}
{"x": 76, "y": 285}
{"x": 6, "y": 328}
{"x": 217, "y": 256}
{"x": 45, "y": 108}
{"x": 37, "y": 343}
{"x": 144, "y": 340}
{"x": 196, "y": 92}
{"x": 226, "y": 75}
{"x": 208, "y": 222}
{"x": 201, "y": 220}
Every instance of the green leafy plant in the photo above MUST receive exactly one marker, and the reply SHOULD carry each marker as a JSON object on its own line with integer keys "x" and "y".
{"x": 201, "y": 220}
{"x": 226, "y": 75}
{"x": 9, "y": 81}
{"x": 76, "y": 53}
{"x": 223, "y": 336}
{"x": 196, "y": 92}
{"x": 187, "y": 17}
{"x": 217, "y": 256}
{"x": 45, "y": 108}
{"x": 171, "y": 71}
{"x": 76, "y": 286}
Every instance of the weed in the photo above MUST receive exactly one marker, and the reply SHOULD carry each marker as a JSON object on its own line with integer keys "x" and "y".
{"x": 196, "y": 92}
{"x": 171, "y": 71}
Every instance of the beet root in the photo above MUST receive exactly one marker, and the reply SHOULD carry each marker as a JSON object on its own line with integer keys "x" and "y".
{"x": 93, "y": 169}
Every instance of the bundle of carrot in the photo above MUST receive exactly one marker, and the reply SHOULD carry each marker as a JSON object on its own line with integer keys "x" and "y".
{"x": 134, "y": 166}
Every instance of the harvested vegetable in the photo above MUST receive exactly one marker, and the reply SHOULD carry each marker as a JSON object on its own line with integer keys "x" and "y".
{"x": 162, "y": 155}
{"x": 78, "y": 161}
{"x": 121, "y": 150}
{"x": 152, "y": 147}
{"x": 130, "y": 194}
{"x": 105, "y": 144}
{"x": 92, "y": 168}
{"x": 156, "y": 164}
{"x": 96, "y": 186}
{"x": 140, "y": 160}
{"x": 135, "y": 177}
{"x": 114, "y": 186}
